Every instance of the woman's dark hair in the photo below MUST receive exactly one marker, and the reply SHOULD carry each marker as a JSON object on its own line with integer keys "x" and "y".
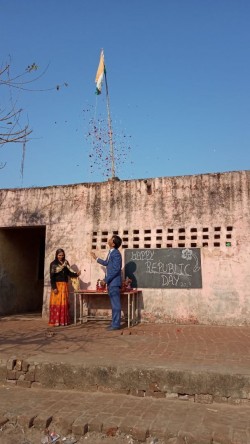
{"x": 59, "y": 250}
{"x": 117, "y": 241}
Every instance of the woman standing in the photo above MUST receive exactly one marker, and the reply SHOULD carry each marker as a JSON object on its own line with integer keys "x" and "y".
{"x": 59, "y": 298}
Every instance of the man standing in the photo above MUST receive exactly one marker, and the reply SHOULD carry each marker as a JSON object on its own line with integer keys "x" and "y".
{"x": 113, "y": 279}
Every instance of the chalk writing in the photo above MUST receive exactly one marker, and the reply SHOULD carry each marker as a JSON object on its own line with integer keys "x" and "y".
{"x": 161, "y": 268}
{"x": 142, "y": 255}
{"x": 167, "y": 280}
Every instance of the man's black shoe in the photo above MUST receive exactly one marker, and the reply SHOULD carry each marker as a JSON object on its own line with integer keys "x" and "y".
{"x": 113, "y": 328}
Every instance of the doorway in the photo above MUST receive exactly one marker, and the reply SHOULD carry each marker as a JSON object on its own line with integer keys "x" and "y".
{"x": 22, "y": 251}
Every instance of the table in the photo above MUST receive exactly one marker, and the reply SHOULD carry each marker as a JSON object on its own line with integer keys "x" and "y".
{"x": 86, "y": 295}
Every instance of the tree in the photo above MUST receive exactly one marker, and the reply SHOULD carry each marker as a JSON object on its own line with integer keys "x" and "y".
{"x": 13, "y": 129}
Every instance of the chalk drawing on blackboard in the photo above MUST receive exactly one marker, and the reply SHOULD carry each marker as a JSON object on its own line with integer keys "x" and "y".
{"x": 164, "y": 268}
{"x": 188, "y": 255}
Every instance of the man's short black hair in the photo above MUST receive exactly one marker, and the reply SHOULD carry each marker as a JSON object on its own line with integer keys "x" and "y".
{"x": 117, "y": 241}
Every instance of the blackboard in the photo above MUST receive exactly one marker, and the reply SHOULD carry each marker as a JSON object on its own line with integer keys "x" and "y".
{"x": 164, "y": 267}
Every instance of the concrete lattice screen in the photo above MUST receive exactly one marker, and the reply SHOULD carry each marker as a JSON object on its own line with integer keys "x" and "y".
{"x": 213, "y": 237}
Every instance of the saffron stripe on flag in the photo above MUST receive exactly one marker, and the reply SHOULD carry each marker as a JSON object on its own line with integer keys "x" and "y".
{"x": 100, "y": 74}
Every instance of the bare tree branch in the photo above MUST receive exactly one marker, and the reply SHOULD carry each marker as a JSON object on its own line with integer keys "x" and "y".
{"x": 12, "y": 129}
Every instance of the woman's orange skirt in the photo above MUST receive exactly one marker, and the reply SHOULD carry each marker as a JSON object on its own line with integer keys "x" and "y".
{"x": 59, "y": 305}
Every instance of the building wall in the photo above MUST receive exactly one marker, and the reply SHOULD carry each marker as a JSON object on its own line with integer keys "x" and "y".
{"x": 205, "y": 211}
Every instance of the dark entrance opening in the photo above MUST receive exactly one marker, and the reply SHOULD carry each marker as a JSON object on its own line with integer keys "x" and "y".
{"x": 22, "y": 251}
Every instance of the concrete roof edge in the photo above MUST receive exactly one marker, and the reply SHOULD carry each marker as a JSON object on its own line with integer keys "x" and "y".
{"x": 89, "y": 184}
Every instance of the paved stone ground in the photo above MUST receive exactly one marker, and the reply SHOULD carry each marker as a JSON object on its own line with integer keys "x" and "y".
{"x": 194, "y": 347}
{"x": 136, "y": 419}
{"x": 187, "y": 348}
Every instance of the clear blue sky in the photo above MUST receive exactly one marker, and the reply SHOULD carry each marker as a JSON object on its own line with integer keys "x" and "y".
{"x": 179, "y": 84}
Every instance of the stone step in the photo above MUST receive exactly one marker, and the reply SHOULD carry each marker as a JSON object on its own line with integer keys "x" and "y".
{"x": 141, "y": 381}
{"x": 76, "y": 413}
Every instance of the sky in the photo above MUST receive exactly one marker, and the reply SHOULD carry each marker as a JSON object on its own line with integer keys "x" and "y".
{"x": 178, "y": 74}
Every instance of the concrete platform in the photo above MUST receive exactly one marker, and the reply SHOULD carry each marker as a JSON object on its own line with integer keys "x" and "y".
{"x": 202, "y": 363}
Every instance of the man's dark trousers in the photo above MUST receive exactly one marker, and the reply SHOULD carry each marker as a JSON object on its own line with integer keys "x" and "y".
{"x": 115, "y": 299}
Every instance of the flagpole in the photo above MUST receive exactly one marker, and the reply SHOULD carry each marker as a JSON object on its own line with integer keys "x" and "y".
{"x": 110, "y": 130}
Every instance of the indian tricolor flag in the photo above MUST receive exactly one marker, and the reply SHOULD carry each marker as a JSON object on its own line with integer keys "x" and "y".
{"x": 100, "y": 74}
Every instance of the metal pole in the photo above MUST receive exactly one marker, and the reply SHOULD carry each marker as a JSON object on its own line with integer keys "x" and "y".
{"x": 110, "y": 130}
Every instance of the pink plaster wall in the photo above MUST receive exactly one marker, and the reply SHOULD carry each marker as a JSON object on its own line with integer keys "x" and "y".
{"x": 76, "y": 216}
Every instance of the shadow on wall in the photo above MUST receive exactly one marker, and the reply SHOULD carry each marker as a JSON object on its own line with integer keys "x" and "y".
{"x": 82, "y": 285}
{"x": 129, "y": 271}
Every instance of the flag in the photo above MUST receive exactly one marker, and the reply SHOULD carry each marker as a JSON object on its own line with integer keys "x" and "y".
{"x": 100, "y": 74}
